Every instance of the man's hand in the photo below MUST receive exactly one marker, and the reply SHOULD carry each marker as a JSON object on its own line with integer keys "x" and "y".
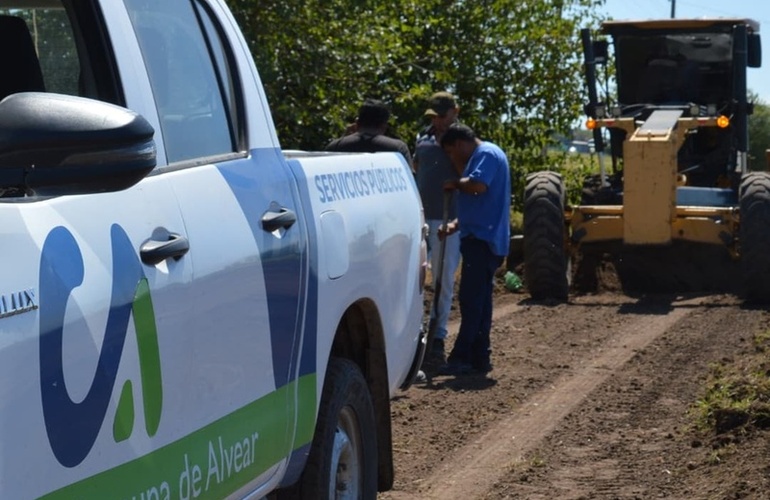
{"x": 451, "y": 184}
{"x": 450, "y": 229}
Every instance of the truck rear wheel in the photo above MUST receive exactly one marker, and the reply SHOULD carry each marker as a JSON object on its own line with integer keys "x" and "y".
{"x": 343, "y": 457}
{"x": 754, "y": 236}
{"x": 546, "y": 263}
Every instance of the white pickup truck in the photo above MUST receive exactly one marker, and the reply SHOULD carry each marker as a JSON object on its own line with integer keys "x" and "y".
{"x": 185, "y": 311}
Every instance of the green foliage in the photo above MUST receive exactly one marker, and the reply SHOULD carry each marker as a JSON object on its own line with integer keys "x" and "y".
{"x": 515, "y": 66}
{"x": 737, "y": 397}
{"x": 517, "y": 221}
{"x": 759, "y": 133}
{"x": 574, "y": 168}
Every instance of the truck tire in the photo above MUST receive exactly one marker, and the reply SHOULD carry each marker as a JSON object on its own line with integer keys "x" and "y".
{"x": 754, "y": 236}
{"x": 546, "y": 263}
{"x": 343, "y": 457}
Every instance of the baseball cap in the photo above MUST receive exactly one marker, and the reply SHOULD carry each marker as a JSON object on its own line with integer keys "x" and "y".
{"x": 440, "y": 103}
{"x": 373, "y": 112}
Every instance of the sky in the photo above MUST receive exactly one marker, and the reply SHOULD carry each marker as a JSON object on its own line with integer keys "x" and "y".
{"x": 758, "y": 79}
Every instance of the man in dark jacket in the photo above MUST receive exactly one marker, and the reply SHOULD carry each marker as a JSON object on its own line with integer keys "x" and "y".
{"x": 369, "y": 137}
{"x": 432, "y": 168}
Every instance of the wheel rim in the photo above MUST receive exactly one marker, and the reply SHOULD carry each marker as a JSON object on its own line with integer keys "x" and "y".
{"x": 346, "y": 458}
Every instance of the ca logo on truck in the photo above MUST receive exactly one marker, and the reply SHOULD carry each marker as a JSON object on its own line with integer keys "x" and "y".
{"x": 72, "y": 427}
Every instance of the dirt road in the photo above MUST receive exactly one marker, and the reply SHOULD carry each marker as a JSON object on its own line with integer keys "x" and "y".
{"x": 590, "y": 399}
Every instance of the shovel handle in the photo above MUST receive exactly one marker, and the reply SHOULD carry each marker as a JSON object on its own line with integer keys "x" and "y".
{"x": 432, "y": 325}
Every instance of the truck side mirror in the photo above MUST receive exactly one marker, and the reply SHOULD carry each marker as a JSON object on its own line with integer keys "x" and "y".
{"x": 53, "y": 144}
{"x": 600, "y": 51}
{"x": 754, "y": 54}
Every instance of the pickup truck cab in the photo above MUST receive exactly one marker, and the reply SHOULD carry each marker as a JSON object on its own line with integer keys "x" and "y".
{"x": 185, "y": 310}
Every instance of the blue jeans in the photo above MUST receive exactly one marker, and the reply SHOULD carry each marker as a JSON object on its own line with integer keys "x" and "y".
{"x": 451, "y": 261}
{"x": 476, "y": 285}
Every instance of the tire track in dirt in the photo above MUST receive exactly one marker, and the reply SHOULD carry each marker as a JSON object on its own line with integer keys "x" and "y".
{"x": 474, "y": 468}
{"x": 636, "y": 435}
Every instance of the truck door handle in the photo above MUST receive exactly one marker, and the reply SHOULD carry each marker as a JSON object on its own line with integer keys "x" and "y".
{"x": 156, "y": 251}
{"x": 283, "y": 218}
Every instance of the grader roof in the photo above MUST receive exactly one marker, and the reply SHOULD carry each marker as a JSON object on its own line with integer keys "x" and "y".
{"x": 675, "y": 60}
{"x": 718, "y": 24}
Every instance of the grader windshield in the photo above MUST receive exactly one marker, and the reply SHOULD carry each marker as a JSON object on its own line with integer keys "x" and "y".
{"x": 674, "y": 68}
{"x": 696, "y": 66}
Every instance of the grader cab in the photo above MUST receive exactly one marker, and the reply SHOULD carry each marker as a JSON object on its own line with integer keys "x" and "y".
{"x": 678, "y": 178}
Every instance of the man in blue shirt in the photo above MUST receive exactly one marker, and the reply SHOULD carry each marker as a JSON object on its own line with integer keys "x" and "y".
{"x": 483, "y": 221}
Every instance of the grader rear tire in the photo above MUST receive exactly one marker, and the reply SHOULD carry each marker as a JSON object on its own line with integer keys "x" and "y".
{"x": 546, "y": 263}
{"x": 754, "y": 236}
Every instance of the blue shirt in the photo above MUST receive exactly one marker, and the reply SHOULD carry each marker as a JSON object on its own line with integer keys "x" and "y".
{"x": 486, "y": 216}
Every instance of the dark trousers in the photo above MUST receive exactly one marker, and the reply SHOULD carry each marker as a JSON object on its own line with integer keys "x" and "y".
{"x": 476, "y": 285}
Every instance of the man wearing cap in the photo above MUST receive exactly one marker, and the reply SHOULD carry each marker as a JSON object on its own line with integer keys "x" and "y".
{"x": 369, "y": 135}
{"x": 483, "y": 223}
{"x": 432, "y": 168}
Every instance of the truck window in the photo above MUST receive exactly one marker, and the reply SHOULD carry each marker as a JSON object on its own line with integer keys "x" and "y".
{"x": 228, "y": 79}
{"x": 63, "y": 44}
{"x": 52, "y": 41}
{"x": 191, "y": 99}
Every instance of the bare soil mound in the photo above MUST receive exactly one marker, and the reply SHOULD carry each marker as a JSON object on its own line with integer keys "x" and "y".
{"x": 679, "y": 268}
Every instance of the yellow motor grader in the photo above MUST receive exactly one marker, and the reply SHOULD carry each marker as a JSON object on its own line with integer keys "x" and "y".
{"x": 678, "y": 142}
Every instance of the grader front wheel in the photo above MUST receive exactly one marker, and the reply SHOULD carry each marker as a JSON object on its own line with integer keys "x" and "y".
{"x": 755, "y": 236}
{"x": 546, "y": 262}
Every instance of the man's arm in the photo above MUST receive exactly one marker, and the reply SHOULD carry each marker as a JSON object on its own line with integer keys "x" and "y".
{"x": 332, "y": 146}
{"x": 465, "y": 185}
{"x": 404, "y": 149}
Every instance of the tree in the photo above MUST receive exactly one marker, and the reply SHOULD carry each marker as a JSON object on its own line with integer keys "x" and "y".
{"x": 514, "y": 65}
{"x": 759, "y": 133}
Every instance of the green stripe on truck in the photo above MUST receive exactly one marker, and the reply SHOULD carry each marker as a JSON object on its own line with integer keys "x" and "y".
{"x": 213, "y": 461}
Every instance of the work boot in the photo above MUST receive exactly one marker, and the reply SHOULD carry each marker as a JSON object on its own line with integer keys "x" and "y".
{"x": 436, "y": 354}
{"x": 456, "y": 368}
{"x": 482, "y": 368}
{"x": 435, "y": 357}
